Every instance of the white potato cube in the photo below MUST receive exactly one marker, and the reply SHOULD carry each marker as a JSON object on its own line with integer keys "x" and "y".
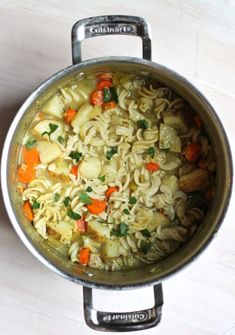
{"x": 48, "y": 151}
{"x": 82, "y": 116}
{"x": 54, "y": 106}
{"x": 90, "y": 168}
{"x": 44, "y": 126}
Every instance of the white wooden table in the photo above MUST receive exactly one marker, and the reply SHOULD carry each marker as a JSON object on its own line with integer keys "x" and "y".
{"x": 195, "y": 38}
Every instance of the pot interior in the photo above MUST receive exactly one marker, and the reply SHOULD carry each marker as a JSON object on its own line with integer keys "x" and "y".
{"x": 131, "y": 278}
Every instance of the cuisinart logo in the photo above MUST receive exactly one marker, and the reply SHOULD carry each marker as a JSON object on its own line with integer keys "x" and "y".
{"x": 112, "y": 29}
{"x": 126, "y": 316}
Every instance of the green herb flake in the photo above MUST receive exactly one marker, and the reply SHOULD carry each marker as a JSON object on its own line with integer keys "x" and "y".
{"x": 102, "y": 178}
{"x": 143, "y": 124}
{"x": 132, "y": 200}
{"x": 88, "y": 189}
{"x": 35, "y": 205}
{"x": 30, "y": 144}
{"x": 151, "y": 151}
{"x": 53, "y": 128}
{"x": 60, "y": 139}
{"x": 73, "y": 215}
{"x": 111, "y": 152}
{"x": 145, "y": 247}
{"x": 107, "y": 95}
{"x": 126, "y": 211}
{"x": 85, "y": 198}
{"x": 76, "y": 155}
{"x": 114, "y": 94}
{"x": 56, "y": 197}
{"x": 122, "y": 230}
{"x": 67, "y": 201}
{"x": 145, "y": 233}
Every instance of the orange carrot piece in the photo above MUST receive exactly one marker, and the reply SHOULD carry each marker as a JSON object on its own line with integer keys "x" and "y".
{"x": 26, "y": 173}
{"x": 28, "y": 211}
{"x": 69, "y": 115}
{"x": 111, "y": 190}
{"x": 97, "y": 97}
{"x": 74, "y": 170}
{"x": 152, "y": 167}
{"x": 192, "y": 152}
{"x": 31, "y": 156}
{"x": 84, "y": 256}
{"x": 198, "y": 121}
{"x": 109, "y": 105}
{"x": 105, "y": 83}
{"x": 97, "y": 206}
{"x": 105, "y": 75}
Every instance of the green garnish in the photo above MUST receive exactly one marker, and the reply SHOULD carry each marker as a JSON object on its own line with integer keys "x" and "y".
{"x": 126, "y": 211}
{"x": 85, "y": 198}
{"x": 66, "y": 201}
{"x": 132, "y": 200}
{"x": 75, "y": 155}
{"x": 107, "y": 95}
{"x": 35, "y": 205}
{"x": 102, "y": 178}
{"x": 53, "y": 128}
{"x": 88, "y": 189}
{"x": 145, "y": 247}
{"x": 114, "y": 94}
{"x": 111, "y": 152}
{"x": 146, "y": 233}
{"x": 121, "y": 230}
{"x": 60, "y": 139}
{"x": 151, "y": 151}
{"x": 73, "y": 215}
{"x": 143, "y": 124}
{"x": 30, "y": 144}
{"x": 56, "y": 197}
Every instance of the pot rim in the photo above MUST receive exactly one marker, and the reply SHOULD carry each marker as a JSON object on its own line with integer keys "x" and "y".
{"x": 4, "y": 169}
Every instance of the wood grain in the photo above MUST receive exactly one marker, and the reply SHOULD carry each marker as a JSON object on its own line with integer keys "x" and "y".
{"x": 195, "y": 38}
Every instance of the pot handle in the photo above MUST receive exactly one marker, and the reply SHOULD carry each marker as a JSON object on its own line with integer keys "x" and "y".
{"x": 110, "y": 25}
{"x": 127, "y": 321}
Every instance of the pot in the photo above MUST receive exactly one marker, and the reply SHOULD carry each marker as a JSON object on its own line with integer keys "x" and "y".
{"x": 153, "y": 274}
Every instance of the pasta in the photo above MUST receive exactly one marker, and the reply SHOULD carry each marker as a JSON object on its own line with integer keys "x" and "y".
{"x": 117, "y": 169}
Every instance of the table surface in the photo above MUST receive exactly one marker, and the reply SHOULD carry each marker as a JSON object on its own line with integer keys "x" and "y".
{"x": 196, "y": 39}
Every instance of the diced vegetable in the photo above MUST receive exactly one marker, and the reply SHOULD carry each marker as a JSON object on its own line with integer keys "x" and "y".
{"x": 35, "y": 205}
{"x": 145, "y": 233}
{"x": 145, "y": 247}
{"x": 26, "y": 173}
{"x": 150, "y": 151}
{"x": 67, "y": 201}
{"x": 90, "y": 167}
{"x": 28, "y": 212}
{"x": 48, "y": 151}
{"x": 157, "y": 220}
{"x": 110, "y": 173}
{"x": 48, "y": 130}
{"x": 194, "y": 181}
{"x": 176, "y": 120}
{"x": 54, "y": 106}
{"x": 97, "y": 97}
{"x": 84, "y": 256}
{"x": 88, "y": 189}
{"x": 82, "y": 116}
{"x": 192, "y": 152}
{"x": 126, "y": 211}
{"x": 105, "y": 75}
{"x": 132, "y": 200}
{"x": 30, "y": 144}
{"x": 81, "y": 225}
{"x": 143, "y": 124}
{"x": 172, "y": 182}
{"x": 111, "y": 152}
{"x": 97, "y": 206}
{"x": 111, "y": 190}
{"x": 76, "y": 155}
{"x": 74, "y": 170}
{"x": 104, "y": 83}
{"x": 152, "y": 167}
{"x": 31, "y": 156}
{"x": 168, "y": 139}
{"x": 73, "y": 215}
{"x": 69, "y": 115}
{"x": 110, "y": 249}
{"x": 121, "y": 230}
{"x": 85, "y": 198}
{"x": 109, "y": 105}
{"x": 56, "y": 197}
{"x": 98, "y": 229}
{"x": 64, "y": 228}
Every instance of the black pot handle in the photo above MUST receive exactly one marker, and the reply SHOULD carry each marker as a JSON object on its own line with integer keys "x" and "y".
{"x": 121, "y": 322}
{"x": 110, "y": 25}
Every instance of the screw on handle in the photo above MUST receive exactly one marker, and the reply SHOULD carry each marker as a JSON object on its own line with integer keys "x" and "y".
{"x": 120, "y": 322}
{"x": 110, "y": 25}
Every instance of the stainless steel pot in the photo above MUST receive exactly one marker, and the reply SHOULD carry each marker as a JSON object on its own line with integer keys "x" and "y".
{"x": 153, "y": 274}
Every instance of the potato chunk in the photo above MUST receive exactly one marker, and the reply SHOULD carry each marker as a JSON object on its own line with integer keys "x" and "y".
{"x": 48, "y": 151}
{"x": 82, "y": 116}
{"x": 194, "y": 181}
{"x": 54, "y": 106}
{"x": 110, "y": 249}
{"x": 168, "y": 139}
{"x": 97, "y": 230}
{"x": 90, "y": 167}
{"x": 176, "y": 120}
{"x": 44, "y": 126}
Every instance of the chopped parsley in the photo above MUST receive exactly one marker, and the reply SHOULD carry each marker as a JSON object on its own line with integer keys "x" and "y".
{"x": 76, "y": 155}
{"x": 102, "y": 178}
{"x": 35, "y": 205}
{"x": 114, "y": 94}
{"x": 143, "y": 124}
{"x": 132, "y": 200}
{"x": 67, "y": 201}
{"x": 60, "y": 139}
{"x": 53, "y": 128}
{"x": 56, "y": 197}
{"x": 85, "y": 198}
{"x": 88, "y": 189}
{"x": 126, "y": 211}
{"x": 151, "y": 151}
{"x": 145, "y": 247}
{"x": 121, "y": 230}
{"x": 30, "y": 144}
{"x": 107, "y": 95}
{"x": 145, "y": 232}
{"x": 111, "y": 152}
{"x": 73, "y": 215}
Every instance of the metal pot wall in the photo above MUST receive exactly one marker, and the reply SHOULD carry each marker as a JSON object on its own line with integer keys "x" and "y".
{"x": 153, "y": 274}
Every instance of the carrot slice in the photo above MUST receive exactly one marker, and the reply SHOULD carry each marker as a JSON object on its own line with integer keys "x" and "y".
{"x": 84, "y": 256}
{"x": 192, "y": 152}
{"x": 31, "y": 156}
{"x": 97, "y": 206}
{"x": 97, "y": 97}
{"x": 106, "y": 83}
{"x": 111, "y": 190}
{"x": 69, "y": 115}
{"x": 74, "y": 170}
{"x": 109, "y": 105}
{"x": 26, "y": 173}
{"x": 28, "y": 211}
{"x": 105, "y": 75}
{"x": 152, "y": 167}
